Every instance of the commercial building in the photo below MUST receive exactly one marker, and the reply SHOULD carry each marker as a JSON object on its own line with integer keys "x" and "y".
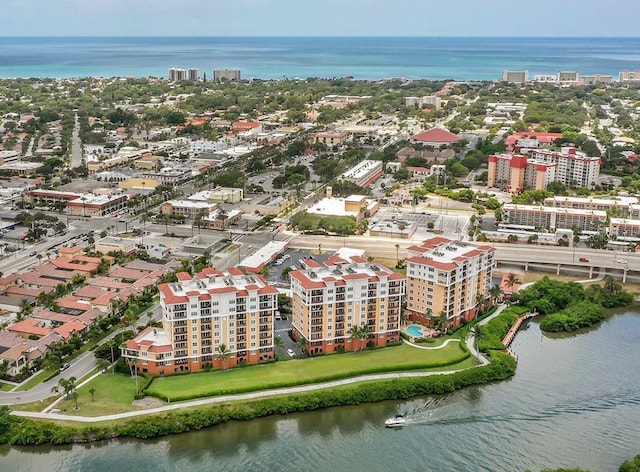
{"x": 218, "y": 195}
{"x": 187, "y": 208}
{"x": 330, "y": 138}
{"x": 90, "y": 204}
{"x": 436, "y": 137}
{"x": 515, "y": 76}
{"x": 227, "y": 74}
{"x": 193, "y": 74}
{"x": 357, "y": 206}
{"x": 365, "y": 173}
{"x": 168, "y": 175}
{"x": 329, "y": 300}
{"x": 450, "y": 277}
{"x": 200, "y": 315}
{"x": 551, "y": 219}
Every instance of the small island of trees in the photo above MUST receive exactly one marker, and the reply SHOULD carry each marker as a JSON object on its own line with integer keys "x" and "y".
{"x": 568, "y": 305}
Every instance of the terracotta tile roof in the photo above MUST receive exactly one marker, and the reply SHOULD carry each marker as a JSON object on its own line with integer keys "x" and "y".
{"x": 30, "y": 326}
{"x": 53, "y": 316}
{"x": 125, "y": 273}
{"x": 437, "y": 135}
{"x": 432, "y": 263}
{"x": 89, "y": 292}
{"x": 68, "y": 329}
{"x": 183, "y": 276}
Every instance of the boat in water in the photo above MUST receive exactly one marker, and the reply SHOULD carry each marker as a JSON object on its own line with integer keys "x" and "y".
{"x": 397, "y": 421}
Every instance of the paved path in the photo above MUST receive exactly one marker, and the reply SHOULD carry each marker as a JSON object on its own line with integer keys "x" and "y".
{"x": 444, "y": 344}
{"x": 230, "y": 398}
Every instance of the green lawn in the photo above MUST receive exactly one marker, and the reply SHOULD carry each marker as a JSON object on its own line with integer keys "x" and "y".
{"x": 35, "y": 380}
{"x": 301, "y": 371}
{"x": 5, "y": 387}
{"x": 114, "y": 394}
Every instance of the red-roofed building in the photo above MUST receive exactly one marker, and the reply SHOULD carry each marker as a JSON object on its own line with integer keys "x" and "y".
{"x": 447, "y": 277}
{"x": 329, "y": 301}
{"x": 201, "y": 313}
{"x": 30, "y": 327}
{"x": 436, "y": 137}
{"x": 252, "y": 127}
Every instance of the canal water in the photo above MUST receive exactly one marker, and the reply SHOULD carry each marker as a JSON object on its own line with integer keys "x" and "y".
{"x": 574, "y": 402}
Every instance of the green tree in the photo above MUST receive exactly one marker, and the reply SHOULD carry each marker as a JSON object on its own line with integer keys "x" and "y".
{"x": 223, "y": 355}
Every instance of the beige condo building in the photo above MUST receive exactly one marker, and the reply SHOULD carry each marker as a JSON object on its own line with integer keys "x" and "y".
{"x": 447, "y": 276}
{"x": 330, "y": 299}
{"x": 200, "y": 314}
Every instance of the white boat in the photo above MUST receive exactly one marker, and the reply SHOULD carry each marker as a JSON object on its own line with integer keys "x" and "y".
{"x": 396, "y": 422}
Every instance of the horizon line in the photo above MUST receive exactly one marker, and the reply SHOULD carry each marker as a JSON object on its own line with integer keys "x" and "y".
{"x": 324, "y": 36}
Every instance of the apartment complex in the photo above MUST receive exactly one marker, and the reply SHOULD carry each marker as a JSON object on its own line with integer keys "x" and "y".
{"x": 201, "y": 314}
{"x": 629, "y": 76}
{"x": 514, "y": 172}
{"x": 417, "y": 102}
{"x": 445, "y": 276}
{"x": 551, "y": 218}
{"x": 621, "y": 229}
{"x": 623, "y": 207}
{"x": 346, "y": 292}
{"x": 574, "y": 169}
{"x": 227, "y": 74}
{"x": 515, "y": 76}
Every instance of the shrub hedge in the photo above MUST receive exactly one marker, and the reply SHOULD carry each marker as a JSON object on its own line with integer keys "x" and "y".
{"x": 494, "y": 331}
{"x": 23, "y": 431}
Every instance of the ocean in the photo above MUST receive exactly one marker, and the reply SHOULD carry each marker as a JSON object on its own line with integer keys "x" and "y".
{"x": 432, "y": 58}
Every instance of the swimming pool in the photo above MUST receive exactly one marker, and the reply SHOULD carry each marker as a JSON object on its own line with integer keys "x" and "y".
{"x": 415, "y": 331}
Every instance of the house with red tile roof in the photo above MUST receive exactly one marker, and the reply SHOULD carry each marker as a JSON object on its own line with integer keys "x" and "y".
{"x": 29, "y": 327}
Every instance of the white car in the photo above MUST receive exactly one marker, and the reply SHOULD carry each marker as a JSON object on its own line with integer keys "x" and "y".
{"x": 290, "y": 353}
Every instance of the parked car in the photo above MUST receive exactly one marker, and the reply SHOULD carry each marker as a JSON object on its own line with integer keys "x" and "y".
{"x": 584, "y": 259}
{"x": 291, "y": 353}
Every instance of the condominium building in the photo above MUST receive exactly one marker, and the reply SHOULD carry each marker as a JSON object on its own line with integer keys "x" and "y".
{"x": 431, "y": 100}
{"x": 574, "y": 169}
{"x": 514, "y": 172}
{"x": 226, "y": 74}
{"x": 621, "y": 229}
{"x": 193, "y": 74}
{"x": 203, "y": 313}
{"x": 445, "y": 276}
{"x": 551, "y": 219}
{"x": 515, "y": 76}
{"x": 330, "y": 299}
{"x": 176, "y": 74}
{"x": 622, "y": 207}
{"x": 629, "y": 76}
{"x": 568, "y": 77}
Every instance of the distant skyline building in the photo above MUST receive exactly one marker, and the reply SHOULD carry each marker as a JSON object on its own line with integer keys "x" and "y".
{"x": 177, "y": 74}
{"x": 629, "y": 76}
{"x": 515, "y": 76}
{"x": 227, "y": 74}
{"x": 193, "y": 74}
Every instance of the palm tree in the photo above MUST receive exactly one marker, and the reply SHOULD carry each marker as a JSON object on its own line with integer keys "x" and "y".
{"x": 303, "y": 345}
{"x": 512, "y": 280}
{"x": 354, "y": 334}
{"x": 496, "y": 293}
{"x": 442, "y": 322}
{"x": 74, "y": 395}
{"x": 223, "y": 355}
{"x": 134, "y": 363}
{"x": 365, "y": 332}
{"x": 103, "y": 365}
{"x": 397, "y": 253}
{"x": 92, "y": 391}
{"x": 278, "y": 342}
{"x": 611, "y": 287}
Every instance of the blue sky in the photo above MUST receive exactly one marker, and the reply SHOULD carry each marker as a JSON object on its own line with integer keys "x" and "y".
{"x": 318, "y": 18}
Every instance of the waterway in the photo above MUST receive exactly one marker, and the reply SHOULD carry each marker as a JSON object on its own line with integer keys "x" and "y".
{"x": 574, "y": 402}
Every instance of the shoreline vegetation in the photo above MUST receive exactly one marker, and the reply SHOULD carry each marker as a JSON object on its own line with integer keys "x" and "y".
{"x": 569, "y": 306}
{"x": 16, "y": 430}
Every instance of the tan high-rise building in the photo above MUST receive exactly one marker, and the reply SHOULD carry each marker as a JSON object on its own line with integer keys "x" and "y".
{"x": 445, "y": 276}
{"x": 202, "y": 313}
{"x": 330, "y": 299}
